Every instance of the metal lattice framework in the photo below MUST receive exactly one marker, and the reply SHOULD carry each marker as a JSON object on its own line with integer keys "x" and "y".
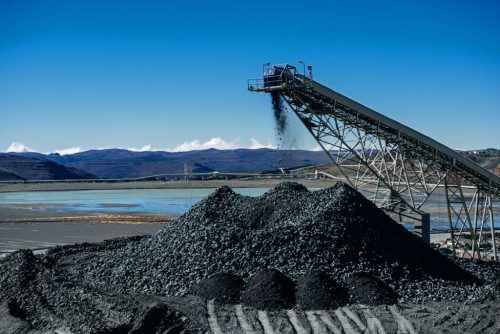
{"x": 395, "y": 166}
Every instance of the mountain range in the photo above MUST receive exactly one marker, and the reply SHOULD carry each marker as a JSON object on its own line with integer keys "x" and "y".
{"x": 122, "y": 164}
{"x": 119, "y": 163}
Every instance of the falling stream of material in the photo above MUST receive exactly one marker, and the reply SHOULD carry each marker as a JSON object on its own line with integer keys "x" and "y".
{"x": 285, "y": 137}
{"x": 280, "y": 118}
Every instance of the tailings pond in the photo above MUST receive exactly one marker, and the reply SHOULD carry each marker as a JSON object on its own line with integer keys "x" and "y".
{"x": 171, "y": 202}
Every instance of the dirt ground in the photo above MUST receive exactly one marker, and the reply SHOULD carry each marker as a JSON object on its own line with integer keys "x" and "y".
{"x": 36, "y": 226}
{"x": 214, "y": 318}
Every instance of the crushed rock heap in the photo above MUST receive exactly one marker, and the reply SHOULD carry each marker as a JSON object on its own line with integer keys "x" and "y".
{"x": 289, "y": 228}
{"x": 290, "y": 236}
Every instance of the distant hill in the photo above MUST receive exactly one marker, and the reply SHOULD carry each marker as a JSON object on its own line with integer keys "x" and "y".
{"x": 118, "y": 163}
{"x": 8, "y": 176}
{"x": 17, "y": 167}
{"x": 490, "y": 162}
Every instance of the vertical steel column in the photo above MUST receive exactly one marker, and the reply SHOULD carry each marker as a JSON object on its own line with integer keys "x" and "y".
{"x": 426, "y": 228}
{"x": 448, "y": 207}
{"x": 423, "y": 228}
{"x": 475, "y": 200}
{"x": 492, "y": 227}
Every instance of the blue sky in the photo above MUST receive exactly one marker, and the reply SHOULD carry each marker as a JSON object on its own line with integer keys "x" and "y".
{"x": 172, "y": 74}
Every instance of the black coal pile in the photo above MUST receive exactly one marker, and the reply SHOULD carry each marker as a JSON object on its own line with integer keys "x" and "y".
{"x": 222, "y": 287}
{"x": 366, "y": 289}
{"x": 126, "y": 285}
{"x": 318, "y": 291}
{"x": 269, "y": 290}
{"x": 289, "y": 228}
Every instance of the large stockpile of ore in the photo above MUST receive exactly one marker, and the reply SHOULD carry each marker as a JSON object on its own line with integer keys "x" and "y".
{"x": 289, "y": 247}
{"x": 289, "y": 228}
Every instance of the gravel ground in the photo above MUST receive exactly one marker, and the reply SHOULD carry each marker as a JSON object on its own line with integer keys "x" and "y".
{"x": 126, "y": 285}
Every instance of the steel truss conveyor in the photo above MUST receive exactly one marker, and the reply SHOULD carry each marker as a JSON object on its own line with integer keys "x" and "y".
{"x": 397, "y": 167}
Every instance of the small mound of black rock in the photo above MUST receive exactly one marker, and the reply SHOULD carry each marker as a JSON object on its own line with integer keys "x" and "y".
{"x": 269, "y": 290}
{"x": 222, "y": 287}
{"x": 318, "y": 291}
{"x": 15, "y": 310}
{"x": 366, "y": 289}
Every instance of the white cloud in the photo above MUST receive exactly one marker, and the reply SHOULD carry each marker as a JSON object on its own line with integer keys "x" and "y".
{"x": 19, "y": 147}
{"x": 257, "y": 144}
{"x": 193, "y": 145}
{"x": 215, "y": 142}
{"x": 316, "y": 148}
{"x": 147, "y": 147}
{"x": 196, "y": 144}
{"x": 69, "y": 150}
